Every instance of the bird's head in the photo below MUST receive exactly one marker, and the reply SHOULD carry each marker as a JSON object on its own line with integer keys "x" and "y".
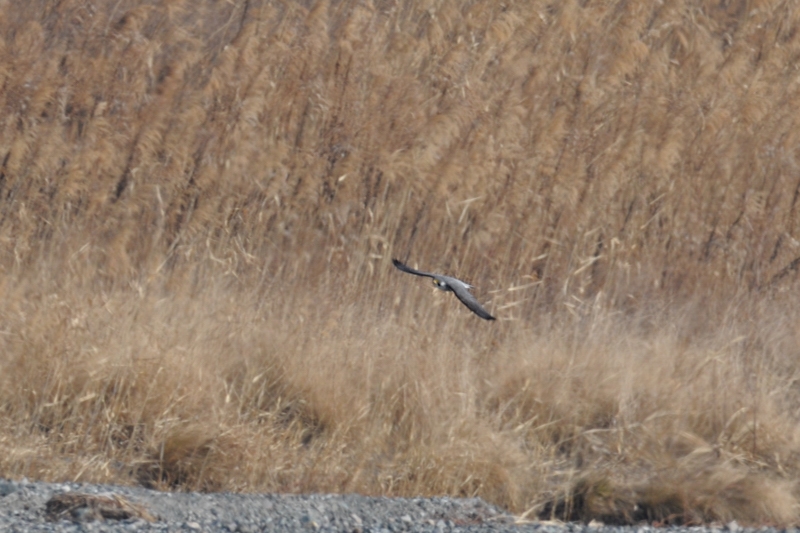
{"x": 439, "y": 284}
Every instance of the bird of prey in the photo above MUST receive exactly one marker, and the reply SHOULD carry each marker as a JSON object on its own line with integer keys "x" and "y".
{"x": 446, "y": 283}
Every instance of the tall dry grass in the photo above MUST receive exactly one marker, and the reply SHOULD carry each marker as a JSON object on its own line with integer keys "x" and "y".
{"x": 199, "y": 202}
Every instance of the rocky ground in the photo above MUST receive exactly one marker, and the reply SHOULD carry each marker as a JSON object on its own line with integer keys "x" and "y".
{"x": 74, "y": 507}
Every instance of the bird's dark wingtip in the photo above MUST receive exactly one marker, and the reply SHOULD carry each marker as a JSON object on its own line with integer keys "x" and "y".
{"x": 399, "y": 265}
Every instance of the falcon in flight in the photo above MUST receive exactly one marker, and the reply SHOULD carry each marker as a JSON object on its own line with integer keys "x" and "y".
{"x": 446, "y": 283}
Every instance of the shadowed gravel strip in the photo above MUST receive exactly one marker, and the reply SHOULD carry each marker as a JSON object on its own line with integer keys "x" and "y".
{"x": 22, "y": 508}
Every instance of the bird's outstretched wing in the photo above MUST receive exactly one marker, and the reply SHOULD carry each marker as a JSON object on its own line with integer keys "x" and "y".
{"x": 410, "y": 270}
{"x": 460, "y": 288}
{"x": 469, "y": 300}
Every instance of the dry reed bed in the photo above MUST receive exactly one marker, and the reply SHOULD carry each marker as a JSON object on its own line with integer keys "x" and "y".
{"x": 198, "y": 203}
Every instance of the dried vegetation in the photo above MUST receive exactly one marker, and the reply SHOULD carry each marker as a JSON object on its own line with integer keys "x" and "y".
{"x": 199, "y": 202}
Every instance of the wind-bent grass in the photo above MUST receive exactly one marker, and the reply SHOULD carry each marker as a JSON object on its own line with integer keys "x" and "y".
{"x": 199, "y": 203}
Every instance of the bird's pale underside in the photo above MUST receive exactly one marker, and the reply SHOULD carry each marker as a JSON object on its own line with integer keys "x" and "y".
{"x": 447, "y": 283}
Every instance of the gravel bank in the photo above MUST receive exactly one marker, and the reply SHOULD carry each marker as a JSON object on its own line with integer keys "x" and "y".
{"x": 23, "y": 508}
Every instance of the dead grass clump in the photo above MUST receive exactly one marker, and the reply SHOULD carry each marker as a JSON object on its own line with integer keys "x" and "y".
{"x": 651, "y": 428}
{"x": 718, "y": 494}
{"x": 186, "y": 456}
{"x": 707, "y": 485}
{"x": 593, "y": 497}
{"x": 714, "y": 493}
{"x": 467, "y": 463}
